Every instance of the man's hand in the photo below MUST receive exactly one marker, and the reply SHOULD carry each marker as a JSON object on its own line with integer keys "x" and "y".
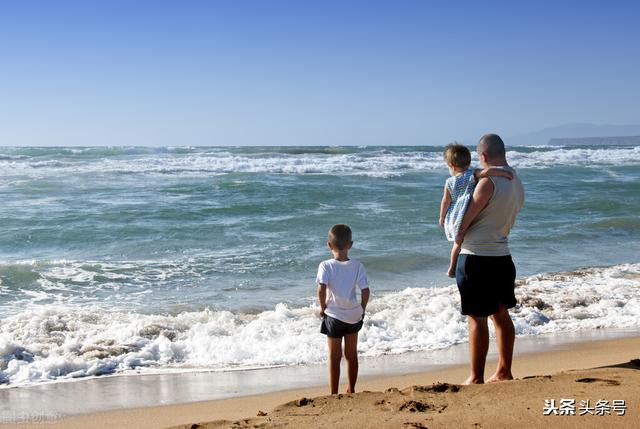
{"x": 493, "y": 171}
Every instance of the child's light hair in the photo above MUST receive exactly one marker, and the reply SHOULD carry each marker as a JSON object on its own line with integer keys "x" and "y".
{"x": 457, "y": 155}
{"x": 340, "y": 236}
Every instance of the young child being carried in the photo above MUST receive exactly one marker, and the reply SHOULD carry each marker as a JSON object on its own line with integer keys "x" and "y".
{"x": 341, "y": 313}
{"x": 458, "y": 190}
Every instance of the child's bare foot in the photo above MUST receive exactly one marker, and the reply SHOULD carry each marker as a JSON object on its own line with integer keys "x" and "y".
{"x": 500, "y": 377}
{"x": 473, "y": 380}
{"x": 350, "y": 390}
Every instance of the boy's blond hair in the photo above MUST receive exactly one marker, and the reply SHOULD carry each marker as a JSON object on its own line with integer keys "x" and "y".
{"x": 340, "y": 236}
{"x": 457, "y": 155}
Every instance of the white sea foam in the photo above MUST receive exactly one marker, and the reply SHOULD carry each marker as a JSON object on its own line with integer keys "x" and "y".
{"x": 56, "y": 342}
{"x": 84, "y": 283}
{"x": 575, "y": 157}
{"x": 374, "y": 163}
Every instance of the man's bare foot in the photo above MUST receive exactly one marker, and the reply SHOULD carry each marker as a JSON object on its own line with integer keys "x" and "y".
{"x": 452, "y": 272}
{"x": 473, "y": 380}
{"x": 500, "y": 377}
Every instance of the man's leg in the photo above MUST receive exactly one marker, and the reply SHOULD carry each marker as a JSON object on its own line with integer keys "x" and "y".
{"x": 351, "y": 356}
{"x": 335, "y": 354}
{"x": 478, "y": 348}
{"x": 506, "y": 337}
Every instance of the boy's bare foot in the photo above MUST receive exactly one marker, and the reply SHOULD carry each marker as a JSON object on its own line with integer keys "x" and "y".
{"x": 451, "y": 273}
{"x": 473, "y": 380}
{"x": 500, "y": 377}
{"x": 350, "y": 390}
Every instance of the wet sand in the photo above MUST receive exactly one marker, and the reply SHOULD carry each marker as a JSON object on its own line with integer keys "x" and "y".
{"x": 395, "y": 401}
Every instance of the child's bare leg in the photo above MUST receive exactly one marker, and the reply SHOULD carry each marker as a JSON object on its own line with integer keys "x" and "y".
{"x": 453, "y": 261}
{"x": 335, "y": 354}
{"x": 351, "y": 356}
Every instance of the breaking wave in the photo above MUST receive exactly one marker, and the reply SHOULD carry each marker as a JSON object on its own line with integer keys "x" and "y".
{"x": 58, "y": 342}
{"x": 369, "y": 161}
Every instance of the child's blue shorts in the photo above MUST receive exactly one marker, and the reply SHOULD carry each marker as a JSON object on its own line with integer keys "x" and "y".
{"x": 335, "y": 328}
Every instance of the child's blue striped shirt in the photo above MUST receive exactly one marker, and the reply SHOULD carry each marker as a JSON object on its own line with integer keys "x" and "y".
{"x": 460, "y": 188}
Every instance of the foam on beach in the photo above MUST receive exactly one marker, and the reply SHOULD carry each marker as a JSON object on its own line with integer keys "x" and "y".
{"x": 60, "y": 342}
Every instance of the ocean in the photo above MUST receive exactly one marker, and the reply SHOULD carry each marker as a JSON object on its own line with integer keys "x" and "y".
{"x": 117, "y": 260}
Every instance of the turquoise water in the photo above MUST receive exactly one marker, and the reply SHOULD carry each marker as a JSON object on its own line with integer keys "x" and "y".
{"x": 234, "y": 233}
{"x": 171, "y": 229}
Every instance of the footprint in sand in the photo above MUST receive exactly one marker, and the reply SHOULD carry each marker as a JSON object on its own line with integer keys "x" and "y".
{"x": 438, "y": 387}
{"x": 414, "y": 406}
{"x": 416, "y": 425}
{"x": 598, "y": 380}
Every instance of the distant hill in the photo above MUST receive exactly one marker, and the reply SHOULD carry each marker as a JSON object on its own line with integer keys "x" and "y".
{"x": 570, "y": 131}
{"x": 597, "y": 141}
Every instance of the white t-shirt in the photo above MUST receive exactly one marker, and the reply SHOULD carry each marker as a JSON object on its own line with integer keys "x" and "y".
{"x": 342, "y": 278}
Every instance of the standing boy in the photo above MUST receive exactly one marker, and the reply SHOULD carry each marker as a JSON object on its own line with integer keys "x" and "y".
{"x": 341, "y": 313}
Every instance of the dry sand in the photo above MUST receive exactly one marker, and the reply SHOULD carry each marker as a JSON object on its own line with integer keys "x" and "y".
{"x": 502, "y": 405}
{"x": 602, "y": 370}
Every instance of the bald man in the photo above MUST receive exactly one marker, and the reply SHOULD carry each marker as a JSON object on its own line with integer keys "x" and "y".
{"x": 485, "y": 272}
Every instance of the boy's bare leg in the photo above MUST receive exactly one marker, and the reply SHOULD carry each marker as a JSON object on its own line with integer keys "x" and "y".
{"x": 506, "y": 336}
{"x": 453, "y": 260}
{"x": 335, "y": 354}
{"x": 351, "y": 356}
{"x": 478, "y": 348}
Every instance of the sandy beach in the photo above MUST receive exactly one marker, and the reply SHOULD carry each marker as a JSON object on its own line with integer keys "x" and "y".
{"x": 598, "y": 370}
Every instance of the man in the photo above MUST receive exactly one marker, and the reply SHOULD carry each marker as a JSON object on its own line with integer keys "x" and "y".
{"x": 485, "y": 272}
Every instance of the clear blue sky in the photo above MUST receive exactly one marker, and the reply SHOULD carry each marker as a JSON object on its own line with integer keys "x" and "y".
{"x": 303, "y": 72}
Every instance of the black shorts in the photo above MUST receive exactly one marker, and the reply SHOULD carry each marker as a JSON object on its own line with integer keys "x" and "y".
{"x": 484, "y": 283}
{"x": 335, "y": 328}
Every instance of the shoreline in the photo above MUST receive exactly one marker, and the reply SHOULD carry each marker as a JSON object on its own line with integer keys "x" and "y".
{"x": 543, "y": 361}
{"x": 116, "y": 343}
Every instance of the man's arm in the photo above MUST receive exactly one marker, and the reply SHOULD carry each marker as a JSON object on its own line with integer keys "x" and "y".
{"x": 444, "y": 205}
{"x": 364, "y": 299}
{"x": 481, "y": 196}
{"x": 492, "y": 171}
{"x": 322, "y": 297}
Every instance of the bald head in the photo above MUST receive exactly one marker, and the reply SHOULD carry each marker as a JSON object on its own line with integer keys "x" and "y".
{"x": 492, "y": 147}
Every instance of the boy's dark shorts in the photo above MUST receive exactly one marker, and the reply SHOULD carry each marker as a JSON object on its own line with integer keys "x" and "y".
{"x": 484, "y": 283}
{"x": 335, "y": 328}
